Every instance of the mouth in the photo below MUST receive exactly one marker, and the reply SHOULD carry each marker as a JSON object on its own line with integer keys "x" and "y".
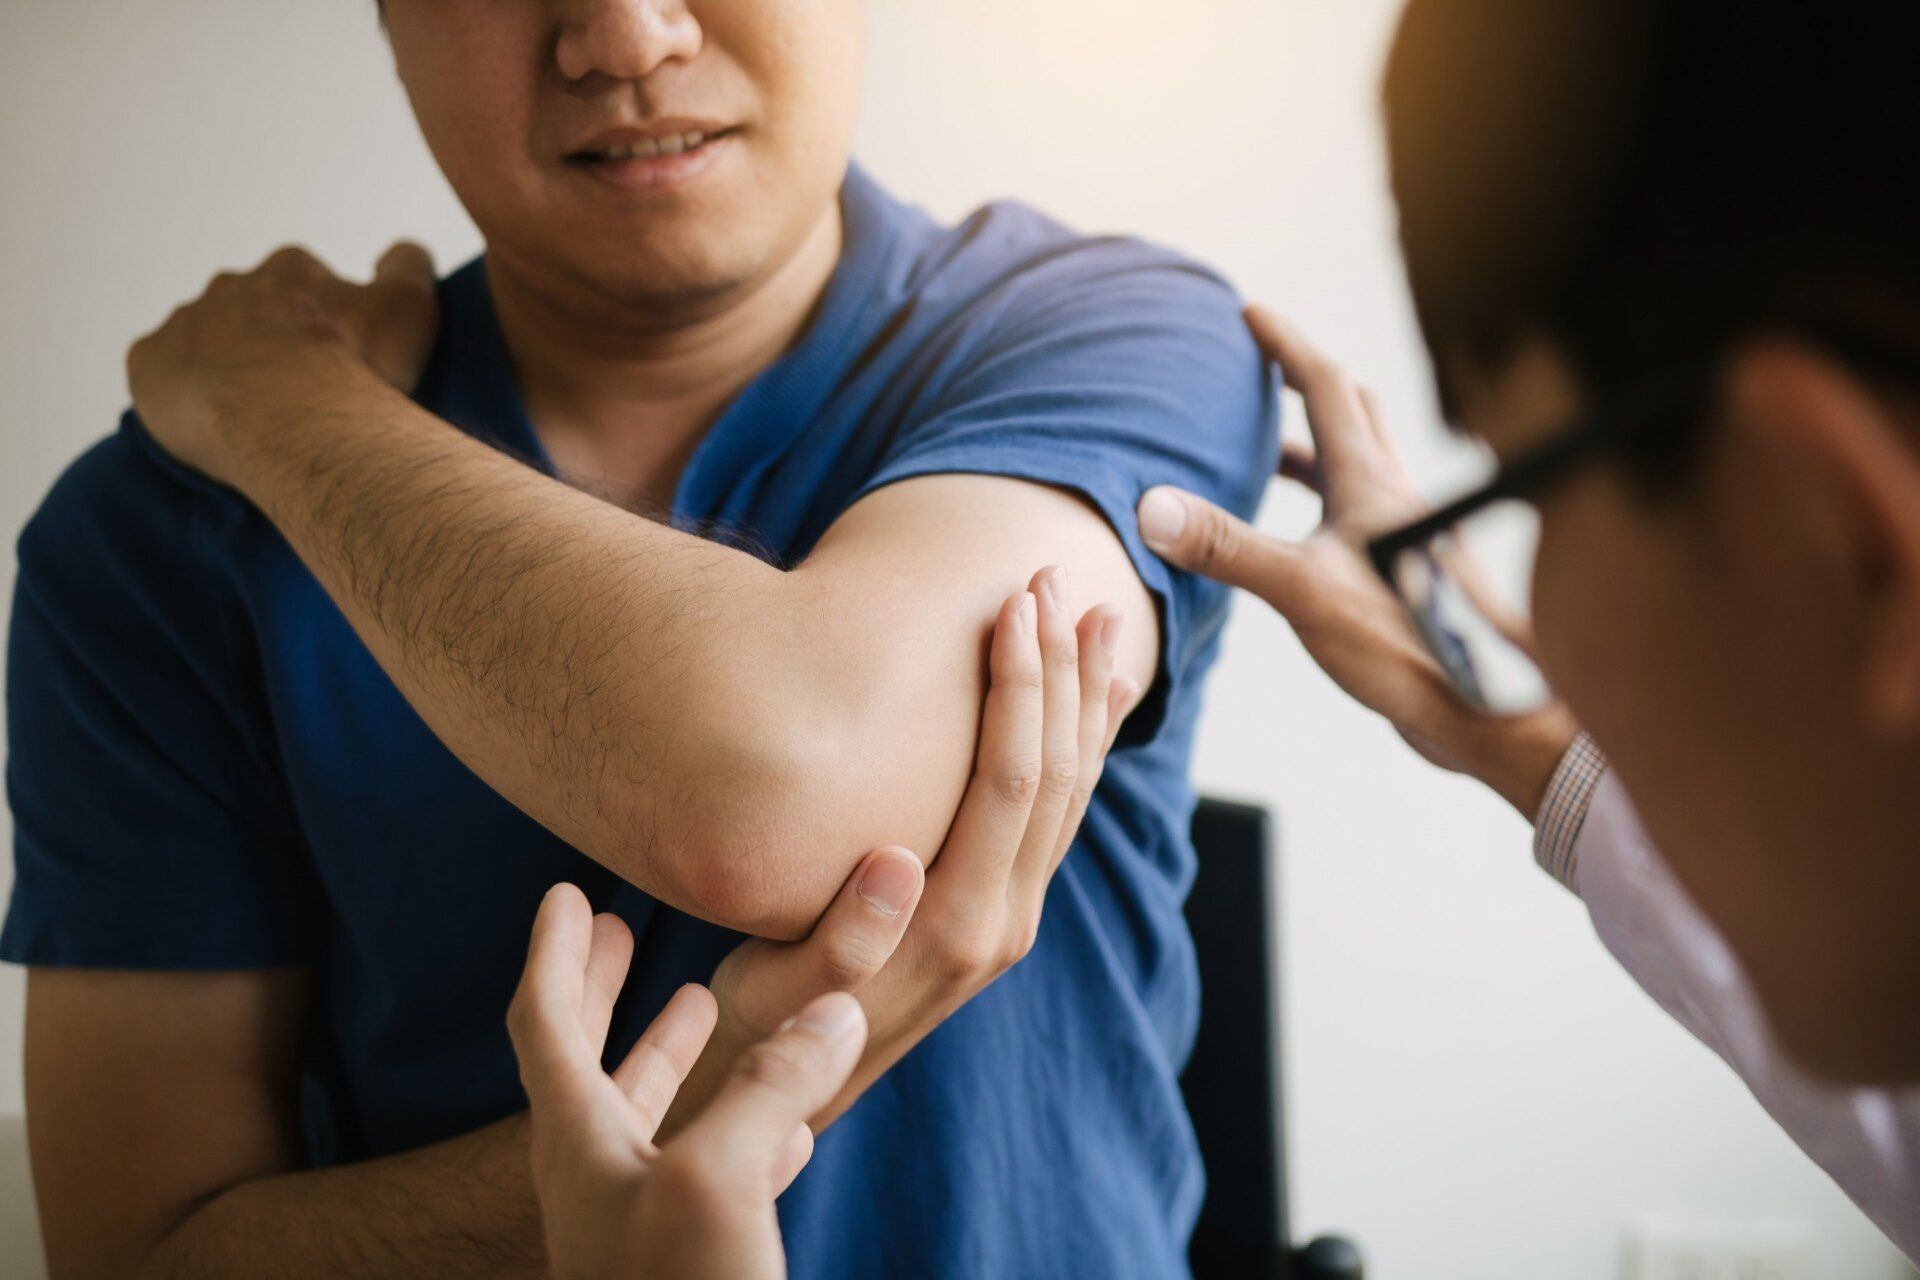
{"x": 657, "y": 157}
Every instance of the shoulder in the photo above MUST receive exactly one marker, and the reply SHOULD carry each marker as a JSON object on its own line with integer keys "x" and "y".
{"x": 1128, "y": 338}
{"x": 126, "y": 533}
{"x": 1012, "y": 260}
{"x": 1009, "y": 260}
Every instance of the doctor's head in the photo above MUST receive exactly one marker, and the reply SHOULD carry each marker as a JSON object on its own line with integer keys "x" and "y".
{"x": 655, "y": 151}
{"x": 1693, "y": 225}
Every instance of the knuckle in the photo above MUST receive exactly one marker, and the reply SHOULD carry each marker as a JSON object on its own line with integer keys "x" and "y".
{"x": 849, "y": 960}
{"x": 521, "y": 1018}
{"x": 1219, "y": 541}
{"x": 966, "y": 951}
{"x": 1061, "y": 774}
{"x": 1021, "y": 673}
{"x": 1025, "y": 934}
{"x": 1083, "y": 790}
{"x": 691, "y": 1182}
{"x": 1018, "y": 779}
{"x": 289, "y": 257}
{"x": 778, "y": 1064}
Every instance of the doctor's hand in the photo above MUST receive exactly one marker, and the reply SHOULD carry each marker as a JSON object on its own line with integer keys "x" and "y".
{"x": 1053, "y": 708}
{"x": 209, "y": 381}
{"x": 612, "y": 1203}
{"x": 1324, "y": 585}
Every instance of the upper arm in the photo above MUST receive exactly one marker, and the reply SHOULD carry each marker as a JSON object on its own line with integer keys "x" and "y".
{"x": 925, "y": 565}
{"x": 148, "y": 1093}
{"x": 1035, "y": 452}
{"x": 152, "y": 829}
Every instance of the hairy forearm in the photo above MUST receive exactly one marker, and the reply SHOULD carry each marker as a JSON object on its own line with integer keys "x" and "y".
{"x": 463, "y": 1209}
{"x": 666, "y": 705}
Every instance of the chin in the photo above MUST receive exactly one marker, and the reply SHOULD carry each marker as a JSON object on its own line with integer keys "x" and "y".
{"x": 657, "y": 265}
{"x": 1865, "y": 1035}
{"x": 1883, "y": 1055}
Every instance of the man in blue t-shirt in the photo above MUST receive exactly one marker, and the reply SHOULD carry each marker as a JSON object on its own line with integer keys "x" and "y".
{"x": 671, "y": 580}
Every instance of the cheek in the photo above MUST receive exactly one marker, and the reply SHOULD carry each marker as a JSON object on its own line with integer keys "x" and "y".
{"x": 471, "y": 81}
{"x": 804, "y": 57}
{"x": 1618, "y": 629}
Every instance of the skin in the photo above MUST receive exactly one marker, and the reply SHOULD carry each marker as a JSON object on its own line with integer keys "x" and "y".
{"x": 735, "y": 1122}
{"x": 836, "y": 708}
{"x": 635, "y": 316}
{"x": 1801, "y": 525}
{"x": 190, "y": 1167}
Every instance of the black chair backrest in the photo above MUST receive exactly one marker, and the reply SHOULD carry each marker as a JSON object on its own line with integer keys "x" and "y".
{"x": 1232, "y": 1084}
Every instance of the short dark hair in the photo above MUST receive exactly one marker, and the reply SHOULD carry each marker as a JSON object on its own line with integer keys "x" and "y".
{"x": 1643, "y": 183}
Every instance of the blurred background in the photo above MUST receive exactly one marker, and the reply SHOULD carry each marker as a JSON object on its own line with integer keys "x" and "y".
{"x": 1475, "y": 1091}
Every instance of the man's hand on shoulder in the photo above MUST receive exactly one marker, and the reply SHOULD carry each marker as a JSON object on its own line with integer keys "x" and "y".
{"x": 207, "y": 381}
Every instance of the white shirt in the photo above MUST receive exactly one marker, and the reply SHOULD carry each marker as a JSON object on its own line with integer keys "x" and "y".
{"x": 1590, "y": 838}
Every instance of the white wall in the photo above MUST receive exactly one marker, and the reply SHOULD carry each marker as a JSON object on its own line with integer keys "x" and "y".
{"x": 1476, "y": 1092}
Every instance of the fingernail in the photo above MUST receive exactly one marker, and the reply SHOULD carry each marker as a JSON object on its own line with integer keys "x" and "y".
{"x": 1110, "y": 633}
{"x": 889, "y": 881}
{"x": 831, "y": 1017}
{"x": 1025, "y": 614}
{"x": 1163, "y": 518}
{"x": 1055, "y": 585}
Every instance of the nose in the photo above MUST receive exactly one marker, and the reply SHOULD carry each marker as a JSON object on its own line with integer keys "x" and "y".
{"x": 625, "y": 39}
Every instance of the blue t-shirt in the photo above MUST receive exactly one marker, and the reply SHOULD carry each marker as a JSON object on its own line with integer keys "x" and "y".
{"x": 208, "y": 769}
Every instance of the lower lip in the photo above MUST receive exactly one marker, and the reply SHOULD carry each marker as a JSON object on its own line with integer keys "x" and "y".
{"x": 656, "y": 173}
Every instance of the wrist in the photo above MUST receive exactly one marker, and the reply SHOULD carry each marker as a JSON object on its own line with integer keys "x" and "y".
{"x": 260, "y": 421}
{"x": 1518, "y": 756}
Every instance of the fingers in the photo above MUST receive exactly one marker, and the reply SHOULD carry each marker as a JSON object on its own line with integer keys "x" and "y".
{"x": 609, "y": 951}
{"x": 1377, "y": 419}
{"x": 657, "y": 1065}
{"x": 544, "y": 1018}
{"x": 1061, "y": 661}
{"x": 405, "y": 266}
{"x": 775, "y": 1087}
{"x": 1337, "y": 417}
{"x": 861, "y": 928}
{"x": 398, "y": 311}
{"x": 1122, "y": 698}
{"x": 970, "y": 876}
{"x": 1301, "y": 464}
{"x": 1193, "y": 534}
{"x": 792, "y": 1158}
{"x": 1099, "y": 639}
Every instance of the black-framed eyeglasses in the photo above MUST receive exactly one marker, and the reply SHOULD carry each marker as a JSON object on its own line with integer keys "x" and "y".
{"x": 1464, "y": 573}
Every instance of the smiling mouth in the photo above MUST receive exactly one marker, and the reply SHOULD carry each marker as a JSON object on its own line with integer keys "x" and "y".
{"x": 673, "y": 144}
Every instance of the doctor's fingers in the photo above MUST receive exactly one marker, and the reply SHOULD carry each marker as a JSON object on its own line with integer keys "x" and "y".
{"x": 1340, "y": 416}
{"x": 745, "y": 1138}
{"x": 1191, "y": 533}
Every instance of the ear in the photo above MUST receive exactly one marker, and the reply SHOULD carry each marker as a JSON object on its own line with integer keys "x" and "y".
{"x": 1867, "y": 449}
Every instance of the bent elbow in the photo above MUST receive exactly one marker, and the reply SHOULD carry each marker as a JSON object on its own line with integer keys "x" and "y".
{"x": 755, "y": 851}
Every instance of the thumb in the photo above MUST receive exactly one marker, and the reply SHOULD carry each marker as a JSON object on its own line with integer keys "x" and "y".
{"x": 776, "y": 1086}
{"x": 849, "y": 944}
{"x": 1191, "y": 533}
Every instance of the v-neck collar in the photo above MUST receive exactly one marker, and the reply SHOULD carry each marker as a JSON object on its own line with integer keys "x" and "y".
{"x": 470, "y": 381}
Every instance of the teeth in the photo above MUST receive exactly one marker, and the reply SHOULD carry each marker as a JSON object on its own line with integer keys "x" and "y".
{"x": 649, "y": 148}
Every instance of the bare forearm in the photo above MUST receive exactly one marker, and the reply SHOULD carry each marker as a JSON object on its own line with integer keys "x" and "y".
{"x": 729, "y": 736}
{"x": 589, "y": 664}
{"x": 463, "y": 1209}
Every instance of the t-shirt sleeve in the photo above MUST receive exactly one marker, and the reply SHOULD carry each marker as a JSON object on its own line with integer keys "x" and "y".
{"x": 150, "y": 827}
{"x": 1106, "y": 371}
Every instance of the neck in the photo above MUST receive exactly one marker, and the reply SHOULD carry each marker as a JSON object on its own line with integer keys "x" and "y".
{"x": 616, "y": 387}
